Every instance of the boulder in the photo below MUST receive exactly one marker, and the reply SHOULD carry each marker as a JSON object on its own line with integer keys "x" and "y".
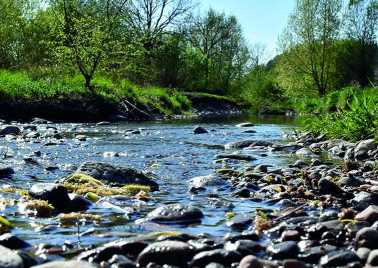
{"x": 10, "y": 258}
{"x": 175, "y": 214}
{"x": 10, "y": 130}
{"x": 200, "y": 130}
{"x": 55, "y": 194}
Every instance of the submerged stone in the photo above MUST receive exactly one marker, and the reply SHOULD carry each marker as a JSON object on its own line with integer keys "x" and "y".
{"x": 175, "y": 214}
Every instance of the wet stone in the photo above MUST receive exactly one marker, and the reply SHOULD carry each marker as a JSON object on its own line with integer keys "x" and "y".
{"x": 372, "y": 260}
{"x": 55, "y": 194}
{"x": 250, "y": 262}
{"x": 240, "y": 222}
{"x": 200, "y": 130}
{"x": 6, "y": 171}
{"x": 367, "y": 237}
{"x": 339, "y": 258}
{"x": 221, "y": 256}
{"x": 370, "y": 214}
{"x": 13, "y": 242}
{"x": 328, "y": 187}
{"x": 116, "y": 175}
{"x": 119, "y": 261}
{"x": 284, "y": 250}
{"x": 10, "y": 130}
{"x": 175, "y": 214}
{"x": 244, "y": 247}
{"x": 166, "y": 252}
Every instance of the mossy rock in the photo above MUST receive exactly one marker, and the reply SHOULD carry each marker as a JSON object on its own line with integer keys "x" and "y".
{"x": 39, "y": 208}
{"x": 73, "y": 218}
{"x": 84, "y": 184}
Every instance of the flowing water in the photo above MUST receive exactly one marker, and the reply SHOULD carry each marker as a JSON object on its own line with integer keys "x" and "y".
{"x": 169, "y": 150}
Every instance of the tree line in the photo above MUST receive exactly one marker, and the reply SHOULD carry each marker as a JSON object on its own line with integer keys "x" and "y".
{"x": 327, "y": 45}
{"x": 160, "y": 42}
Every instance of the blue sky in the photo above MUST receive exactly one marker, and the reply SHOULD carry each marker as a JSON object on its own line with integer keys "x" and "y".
{"x": 262, "y": 20}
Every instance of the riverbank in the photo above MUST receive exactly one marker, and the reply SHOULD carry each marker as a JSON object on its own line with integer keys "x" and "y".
{"x": 66, "y": 100}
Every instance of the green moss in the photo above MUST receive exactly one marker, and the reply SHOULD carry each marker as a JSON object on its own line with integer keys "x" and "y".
{"x": 39, "y": 208}
{"x": 72, "y": 218}
{"x": 83, "y": 184}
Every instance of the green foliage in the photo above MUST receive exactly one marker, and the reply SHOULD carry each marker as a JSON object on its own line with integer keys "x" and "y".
{"x": 356, "y": 116}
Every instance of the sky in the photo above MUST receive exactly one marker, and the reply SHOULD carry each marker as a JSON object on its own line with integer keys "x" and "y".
{"x": 262, "y": 20}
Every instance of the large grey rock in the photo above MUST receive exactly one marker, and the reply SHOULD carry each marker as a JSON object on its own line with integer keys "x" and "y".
{"x": 372, "y": 260}
{"x": 67, "y": 264}
{"x": 55, "y": 194}
{"x": 175, "y": 214}
{"x": 166, "y": 252}
{"x": 116, "y": 175}
{"x": 206, "y": 181}
{"x": 241, "y": 157}
{"x": 10, "y": 258}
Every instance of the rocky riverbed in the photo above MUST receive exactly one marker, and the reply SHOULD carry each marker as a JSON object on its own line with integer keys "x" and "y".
{"x": 226, "y": 194}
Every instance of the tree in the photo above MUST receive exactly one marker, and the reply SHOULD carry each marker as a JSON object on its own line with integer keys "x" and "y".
{"x": 150, "y": 19}
{"x": 361, "y": 28}
{"x": 309, "y": 41}
{"x": 87, "y": 32}
{"x": 220, "y": 40}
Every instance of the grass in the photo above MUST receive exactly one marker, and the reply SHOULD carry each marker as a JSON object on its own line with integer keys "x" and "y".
{"x": 350, "y": 114}
{"x": 20, "y": 86}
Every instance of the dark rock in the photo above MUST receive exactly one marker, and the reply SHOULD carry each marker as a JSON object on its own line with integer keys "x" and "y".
{"x": 240, "y": 222}
{"x": 363, "y": 147}
{"x": 55, "y": 194}
{"x": 239, "y": 144}
{"x": 10, "y": 130}
{"x": 244, "y": 193}
{"x": 67, "y": 264}
{"x": 79, "y": 203}
{"x": 131, "y": 247}
{"x": 115, "y": 175}
{"x": 166, "y": 252}
{"x": 244, "y": 247}
{"x": 290, "y": 235}
{"x": 246, "y": 235}
{"x": 362, "y": 200}
{"x": 250, "y": 262}
{"x": 119, "y": 261}
{"x": 370, "y": 214}
{"x": 6, "y": 171}
{"x": 39, "y": 121}
{"x": 315, "y": 231}
{"x": 284, "y": 250}
{"x": 175, "y": 214}
{"x": 200, "y": 130}
{"x": 214, "y": 265}
{"x": 221, "y": 256}
{"x": 367, "y": 238}
{"x": 12, "y": 242}
{"x": 313, "y": 254}
{"x": 10, "y": 258}
{"x": 236, "y": 157}
{"x": 328, "y": 187}
{"x": 293, "y": 264}
{"x": 339, "y": 258}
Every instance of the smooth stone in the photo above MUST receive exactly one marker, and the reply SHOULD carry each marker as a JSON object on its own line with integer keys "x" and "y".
{"x": 328, "y": 187}
{"x": 132, "y": 247}
{"x": 10, "y": 258}
{"x": 119, "y": 261}
{"x": 55, "y": 194}
{"x": 6, "y": 171}
{"x": 244, "y": 247}
{"x": 10, "y": 130}
{"x": 283, "y": 250}
{"x": 339, "y": 258}
{"x": 290, "y": 235}
{"x": 221, "y": 256}
{"x": 116, "y": 175}
{"x": 239, "y": 144}
{"x": 240, "y": 222}
{"x": 11, "y": 241}
{"x": 166, "y": 252}
{"x": 175, "y": 214}
{"x": 293, "y": 264}
{"x": 370, "y": 214}
{"x": 363, "y": 253}
{"x": 243, "y": 193}
{"x": 247, "y": 124}
{"x": 304, "y": 152}
{"x": 214, "y": 265}
{"x": 367, "y": 238}
{"x": 372, "y": 260}
{"x": 200, "y": 130}
{"x": 363, "y": 200}
{"x": 67, "y": 264}
{"x": 250, "y": 261}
